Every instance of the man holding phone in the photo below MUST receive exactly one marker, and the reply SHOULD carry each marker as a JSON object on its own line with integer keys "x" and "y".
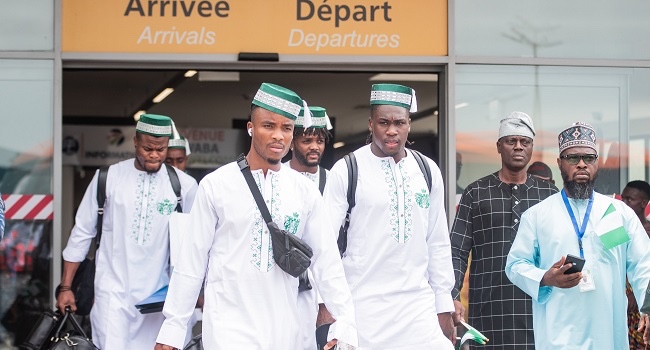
{"x": 585, "y": 309}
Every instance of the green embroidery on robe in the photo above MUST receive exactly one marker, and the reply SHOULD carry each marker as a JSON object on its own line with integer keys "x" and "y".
{"x": 291, "y": 223}
{"x": 145, "y": 202}
{"x": 166, "y": 207}
{"x": 260, "y": 238}
{"x": 392, "y": 195}
{"x": 422, "y": 199}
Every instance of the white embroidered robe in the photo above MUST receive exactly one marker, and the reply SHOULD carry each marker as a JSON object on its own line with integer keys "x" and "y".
{"x": 133, "y": 257}
{"x": 398, "y": 257}
{"x": 250, "y": 303}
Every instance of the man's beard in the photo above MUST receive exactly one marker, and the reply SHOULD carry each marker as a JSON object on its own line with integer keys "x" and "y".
{"x": 578, "y": 190}
{"x": 302, "y": 159}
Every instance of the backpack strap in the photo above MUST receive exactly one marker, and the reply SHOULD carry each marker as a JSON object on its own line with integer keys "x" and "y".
{"x": 353, "y": 175}
{"x": 176, "y": 186}
{"x": 322, "y": 177}
{"x": 424, "y": 166}
{"x": 101, "y": 200}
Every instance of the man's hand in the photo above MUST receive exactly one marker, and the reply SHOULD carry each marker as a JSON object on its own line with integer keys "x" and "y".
{"x": 555, "y": 276}
{"x": 324, "y": 316}
{"x": 459, "y": 314}
{"x": 644, "y": 326}
{"x": 446, "y": 321}
{"x": 65, "y": 299}
{"x": 330, "y": 344}
{"x": 164, "y": 347}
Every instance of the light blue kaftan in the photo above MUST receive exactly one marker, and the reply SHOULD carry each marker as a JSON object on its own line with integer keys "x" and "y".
{"x": 568, "y": 318}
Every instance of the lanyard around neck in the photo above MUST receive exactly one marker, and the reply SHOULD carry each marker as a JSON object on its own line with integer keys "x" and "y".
{"x": 579, "y": 231}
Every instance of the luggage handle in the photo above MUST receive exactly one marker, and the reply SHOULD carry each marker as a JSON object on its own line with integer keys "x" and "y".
{"x": 68, "y": 316}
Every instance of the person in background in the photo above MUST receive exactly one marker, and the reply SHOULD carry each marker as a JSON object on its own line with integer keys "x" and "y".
{"x": 133, "y": 258}
{"x": 541, "y": 171}
{"x": 636, "y": 195}
{"x": 459, "y": 167}
{"x": 250, "y": 302}
{"x": 584, "y": 309}
{"x": 398, "y": 257}
{"x": 485, "y": 225}
{"x": 307, "y": 149}
{"x": 177, "y": 152}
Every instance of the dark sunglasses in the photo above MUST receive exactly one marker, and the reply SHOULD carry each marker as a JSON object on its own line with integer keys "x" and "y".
{"x": 574, "y": 159}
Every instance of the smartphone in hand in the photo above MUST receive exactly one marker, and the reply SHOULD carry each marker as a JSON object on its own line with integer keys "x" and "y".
{"x": 578, "y": 264}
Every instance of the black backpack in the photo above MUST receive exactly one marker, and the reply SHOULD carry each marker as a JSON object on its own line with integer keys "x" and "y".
{"x": 353, "y": 174}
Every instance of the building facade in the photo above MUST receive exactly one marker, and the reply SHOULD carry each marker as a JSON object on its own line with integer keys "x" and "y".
{"x": 558, "y": 61}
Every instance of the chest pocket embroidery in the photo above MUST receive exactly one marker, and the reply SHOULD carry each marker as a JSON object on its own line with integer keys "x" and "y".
{"x": 165, "y": 207}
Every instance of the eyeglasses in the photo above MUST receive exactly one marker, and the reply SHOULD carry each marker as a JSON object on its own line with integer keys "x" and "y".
{"x": 574, "y": 159}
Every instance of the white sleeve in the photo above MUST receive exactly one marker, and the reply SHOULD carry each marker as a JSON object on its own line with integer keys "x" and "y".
{"x": 84, "y": 229}
{"x": 189, "y": 272}
{"x": 335, "y": 195}
{"x": 440, "y": 268}
{"x": 328, "y": 272}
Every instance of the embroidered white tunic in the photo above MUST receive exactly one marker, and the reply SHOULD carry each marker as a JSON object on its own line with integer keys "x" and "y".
{"x": 133, "y": 257}
{"x": 250, "y": 303}
{"x": 398, "y": 257}
{"x": 308, "y": 300}
{"x": 566, "y": 318}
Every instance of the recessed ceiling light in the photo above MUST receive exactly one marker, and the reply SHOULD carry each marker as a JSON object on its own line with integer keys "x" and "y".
{"x": 138, "y": 114}
{"x": 161, "y": 96}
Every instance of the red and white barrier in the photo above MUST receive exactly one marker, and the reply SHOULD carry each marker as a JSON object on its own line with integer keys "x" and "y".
{"x": 28, "y": 206}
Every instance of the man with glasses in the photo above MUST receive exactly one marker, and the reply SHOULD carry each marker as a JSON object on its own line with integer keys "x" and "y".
{"x": 486, "y": 223}
{"x": 587, "y": 309}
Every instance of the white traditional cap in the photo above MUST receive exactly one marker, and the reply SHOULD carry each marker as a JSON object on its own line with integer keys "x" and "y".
{"x": 154, "y": 125}
{"x": 395, "y": 95}
{"x": 319, "y": 118}
{"x": 178, "y": 141}
{"x": 282, "y": 101}
{"x": 517, "y": 124}
{"x": 578, "y": 135}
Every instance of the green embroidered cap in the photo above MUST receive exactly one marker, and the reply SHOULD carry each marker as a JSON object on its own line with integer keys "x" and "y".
{"x": 319, "y": 118}
{"x": 154, "y": 125}
{"x": 280, "y": 100}
{"x": 395, "y": 95}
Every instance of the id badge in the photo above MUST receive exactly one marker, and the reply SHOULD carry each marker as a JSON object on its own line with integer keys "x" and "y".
{"x": 587, "y": 282}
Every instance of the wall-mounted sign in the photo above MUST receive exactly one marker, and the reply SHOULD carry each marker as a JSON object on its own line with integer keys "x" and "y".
{"x": 322, "y": 27}
{"x": 104, "y": 145}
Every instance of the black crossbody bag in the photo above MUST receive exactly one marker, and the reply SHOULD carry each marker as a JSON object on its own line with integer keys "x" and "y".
{"x": 290, "y": 253}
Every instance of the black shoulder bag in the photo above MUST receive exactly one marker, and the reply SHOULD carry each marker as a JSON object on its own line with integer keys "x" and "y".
{"x": 52, "y": 332}
{"x": 290, "y": 253}
{"x": 176, "y": 186}
{"x": 353, "y": 172}
{"x": 74, "y": 338}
